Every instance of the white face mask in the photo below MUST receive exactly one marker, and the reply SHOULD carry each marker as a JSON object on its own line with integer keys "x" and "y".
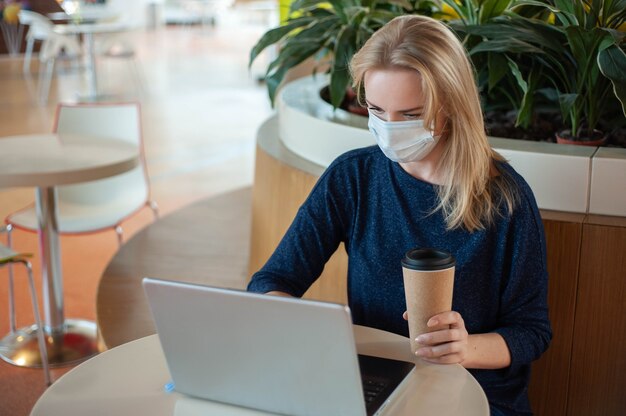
{"x": 402, "y": 141}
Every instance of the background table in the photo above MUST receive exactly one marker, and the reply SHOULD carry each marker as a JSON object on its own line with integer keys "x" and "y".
{"x": 90, "y": 15}
{"x": 45, "y": 161}
{"x": 130, "y": 379}
{"x": 88, "y": 30}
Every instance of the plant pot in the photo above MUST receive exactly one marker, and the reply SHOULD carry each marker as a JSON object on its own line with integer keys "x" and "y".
{"x": 357, "y": 109}
{"x": 350, "y": 102}
{"x": 598, "y": 139}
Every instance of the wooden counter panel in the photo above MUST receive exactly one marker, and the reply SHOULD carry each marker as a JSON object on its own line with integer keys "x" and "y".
{"x": 606, "y": 220}
{"x": 278, "y": 192}
{"x": 549, "y": 377}
{"x": 598, "y": 373}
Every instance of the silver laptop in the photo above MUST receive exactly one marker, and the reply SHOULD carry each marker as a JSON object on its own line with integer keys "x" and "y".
{"x": 281, "y": 355}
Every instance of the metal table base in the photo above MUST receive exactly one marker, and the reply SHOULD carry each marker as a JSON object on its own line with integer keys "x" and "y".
{"x": 75, "y": 342}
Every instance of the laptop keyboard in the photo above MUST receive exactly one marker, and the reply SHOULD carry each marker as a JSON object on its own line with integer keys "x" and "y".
{"x": 372, "y": 388}
{"x": 380, "y": 377}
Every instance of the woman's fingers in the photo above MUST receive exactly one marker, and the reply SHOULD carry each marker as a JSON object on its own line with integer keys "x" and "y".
{"x": 446, "y": 346}
{"x": 448, "y": 353}
{"x": 439, "y": 337}
{"x": 452, "y": 318}
{"x": 446, "y": 359}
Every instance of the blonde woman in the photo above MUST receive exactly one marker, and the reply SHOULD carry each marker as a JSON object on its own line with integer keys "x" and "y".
{"x": 432, "y": 181}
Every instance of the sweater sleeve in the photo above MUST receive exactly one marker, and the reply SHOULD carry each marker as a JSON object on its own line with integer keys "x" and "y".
{"x": 524, "y": 322}
{"x": 314, "y": 235}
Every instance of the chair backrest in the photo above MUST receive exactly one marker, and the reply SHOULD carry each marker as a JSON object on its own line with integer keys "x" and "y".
{"x": 106, "y": 122}
{"x": 40, "y": 27}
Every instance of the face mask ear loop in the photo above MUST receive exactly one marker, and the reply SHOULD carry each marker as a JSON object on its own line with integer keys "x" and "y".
{"x": 444, "y": 130}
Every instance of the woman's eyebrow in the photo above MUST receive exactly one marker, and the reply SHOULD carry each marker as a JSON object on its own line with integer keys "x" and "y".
{"x": 418, "y": 108}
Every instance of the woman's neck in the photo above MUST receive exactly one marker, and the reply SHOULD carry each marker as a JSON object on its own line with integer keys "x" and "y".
{"x": 427, "y": 169}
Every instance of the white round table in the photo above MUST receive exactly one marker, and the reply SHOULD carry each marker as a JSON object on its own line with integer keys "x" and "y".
{"x": 45, "y": 161}
{"x": 90, "y": 15}
{"x": 130, "y": 380}
{"x": 88, "y": 30}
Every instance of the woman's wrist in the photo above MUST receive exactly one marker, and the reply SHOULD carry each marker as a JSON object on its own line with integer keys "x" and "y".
{"x": 487, "y": 351}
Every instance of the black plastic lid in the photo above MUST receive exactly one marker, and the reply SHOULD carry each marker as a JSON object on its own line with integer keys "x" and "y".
{"x": 427, "y": 259}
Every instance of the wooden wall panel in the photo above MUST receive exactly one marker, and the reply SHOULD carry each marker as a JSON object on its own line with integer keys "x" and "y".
{"x": 598, "y": 368}
{"x": 549, "y": 378}
{"x": 278, "y": 192}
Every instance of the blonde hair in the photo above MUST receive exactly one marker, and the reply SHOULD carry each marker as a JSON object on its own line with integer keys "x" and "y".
{"x": 466, "y": 195}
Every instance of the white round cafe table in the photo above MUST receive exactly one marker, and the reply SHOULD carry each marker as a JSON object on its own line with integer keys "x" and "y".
{"x": 89, "y": 15}
{"x": 45, "y": 161}
{"x": 88, "y": 30}
{"x": 130, "y": 379}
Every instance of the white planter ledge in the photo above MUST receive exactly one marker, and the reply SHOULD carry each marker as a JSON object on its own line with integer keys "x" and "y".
{"x": 563, "y": 177}
{"x": 608, "y": 182}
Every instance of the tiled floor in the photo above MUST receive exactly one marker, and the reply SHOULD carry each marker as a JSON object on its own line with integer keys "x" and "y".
{"x": 201, "y": 107}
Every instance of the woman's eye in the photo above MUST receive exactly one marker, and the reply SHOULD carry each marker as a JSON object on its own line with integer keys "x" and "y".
{"x": 412, "y": 116}
{"x": 375, "y": 110}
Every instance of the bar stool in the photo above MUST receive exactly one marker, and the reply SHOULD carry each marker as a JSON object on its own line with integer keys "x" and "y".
{"x": 8, "y": 258}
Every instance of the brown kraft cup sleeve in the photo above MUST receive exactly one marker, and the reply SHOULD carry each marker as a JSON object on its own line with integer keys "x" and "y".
{"x": 427, "y": 294}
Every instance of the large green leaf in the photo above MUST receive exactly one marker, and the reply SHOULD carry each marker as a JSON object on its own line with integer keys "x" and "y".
{"x": 309, "y": 40}
{"x": 274, "y": 35}
{"x": 292, "y": 55}
{"x": 381, "y": 17}
{"x": 525, "y": 112}
{"x": 340, "y": 75}
{"x": 298, "y": 5}
{"x": 497, "y": 68}
{"x": 521, "y": 29}
{"x": 492, "y": 8}
{"x": 506, "y": 45}
{"x": 518, "y": 75}
{"x": 566, "y": 6}
{"x": 340, "y": 9}
{"x": 465, "y": 10}
{"x": 566, "y": 102}
{"x": 581, "y": 44}
{"x": 550, "y": 93}
{"x": 566, "y": 13}
{"x": 585, "y": 46}
{"x": 536, "y": 3}
{"x": 538, "y": 33}
{"x": 322, "y": 29}
{"x": 525, "y": 107}
{"x": 612, "y": 63}
{"x": 614, "y": 15}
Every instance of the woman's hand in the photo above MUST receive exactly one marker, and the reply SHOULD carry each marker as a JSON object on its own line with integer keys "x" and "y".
{"x": 277, "y": 293}
{"x": 446, "y": 346}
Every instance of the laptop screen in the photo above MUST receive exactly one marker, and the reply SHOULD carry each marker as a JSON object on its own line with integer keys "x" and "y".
{"x": 283, "y": 355}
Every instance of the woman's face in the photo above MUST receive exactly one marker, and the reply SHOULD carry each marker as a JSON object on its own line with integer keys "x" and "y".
{"x": 395, "y": 94}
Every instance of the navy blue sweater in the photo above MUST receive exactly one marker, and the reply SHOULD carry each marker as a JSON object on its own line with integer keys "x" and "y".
{"x": 380, "y": 211}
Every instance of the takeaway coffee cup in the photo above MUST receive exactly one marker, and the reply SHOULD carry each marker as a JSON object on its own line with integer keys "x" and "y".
{"x": 428, "y": 282}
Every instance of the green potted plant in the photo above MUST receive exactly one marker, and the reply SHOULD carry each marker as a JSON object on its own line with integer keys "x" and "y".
{"x": 330, "y": 32}
{"x": 577, "y": 63}
{"x": 556, "y": 65}
{"x": 498, "y": 73}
